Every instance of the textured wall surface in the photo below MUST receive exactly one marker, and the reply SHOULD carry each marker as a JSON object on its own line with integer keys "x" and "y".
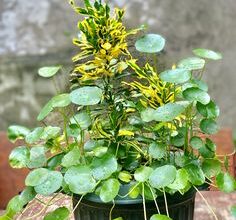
{"x": 37, "y": 33}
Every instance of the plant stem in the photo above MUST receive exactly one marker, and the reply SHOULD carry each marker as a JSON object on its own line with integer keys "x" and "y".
{"x": 110, "y": 213}
{"x": 77, "y": 204}
{"x": 144, "y": 204}
{"x": 166, "y": 205}
{"x": 209, "y": 207}
{"x": 158, "y": 210}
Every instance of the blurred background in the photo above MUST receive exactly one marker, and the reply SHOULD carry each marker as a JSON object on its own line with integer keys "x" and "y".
{"x": 39, "y": 33}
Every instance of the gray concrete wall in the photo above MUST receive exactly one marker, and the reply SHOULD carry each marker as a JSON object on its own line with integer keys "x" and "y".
{"x": 37, "y": 33}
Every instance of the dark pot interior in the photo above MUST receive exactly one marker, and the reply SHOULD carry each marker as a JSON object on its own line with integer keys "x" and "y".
{"x": 181, "y": 207}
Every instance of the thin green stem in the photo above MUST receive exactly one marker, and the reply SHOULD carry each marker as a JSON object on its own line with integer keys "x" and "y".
{"x": 209, "y": 207}
{"x": 153, "y": 195}
{"x": 110, "y": 213}
{"x": 166, "y": 205}
{"x": 77, "y": 204}
{"x": 144, "y": 204}
{"x": 129, "y": 191}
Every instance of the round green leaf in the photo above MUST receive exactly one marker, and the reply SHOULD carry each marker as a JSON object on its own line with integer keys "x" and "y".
{"x": 160, "y": 217}
{"x": 37, "y": 157}
{"x": 176, "y": 75}
{"x": 211, "y": 110}
{"x": 50, "y": 132}
{"x": 55, "y": 161}
{"x": 61, "y": 100}
{"x": 210, "y": 145}
{"x": 134, "y": 191}
{"x": 196, "y": 142}
{"x": 15, "y": 132}
{"x": 52, "y": 183}
{"x": 209, "y": 126}
{"x": 206, "y": 152}
{"x": 211, "y": 167}
{"x": 168, "y": 112}
{"x": 103, "y": 167}
{"x": 181, "y": 180}
{"x": 195, "y": 83}
{"x": 157, "y": 150}
{"x": 36, "y": 177}
{"x": 27, "y": 194}
{"x": 148, "y": 115}
{"x": 19, "y": 157}
{"x": 150, "y": 43}
{"x": 142, "y": 173}
{"x": 15, "y": 205}
{"x": 162, "y": 176}
{"x": 86, "y": 95}
{"x": 178, "y": 140}
{"x": 71, "y": 158}
{"x": 207, "y": 54}
{"x": 61, "y": 213}
{"x": 200, "y": 84}
{"x": 125, "y": 176}
{"x": 82, "y": 119}
{"x": 48, "y": 71}
{"x": 80, "y": 179}
{"x": 109, "y": 190}
{"x": 225, "y": 182}
{"x": 34, "y": 135}
{"x": 45, "y": 111}
{"x": 195, "y": 174}
{"x": 191, "y": 63}
{"x": 196, "y": 94}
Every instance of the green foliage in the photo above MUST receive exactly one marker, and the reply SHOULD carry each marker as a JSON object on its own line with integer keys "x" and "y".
{"x": 157, "y": 150}
{"x": 162, "y": 176}
{"x": 207, "y": 54}
{"x": 104, "y": 166}
{"x": 80, "y": 179}
{"x": 160, "y": 217}
{"x": 164, "y": 113}
{"x": 211, "y": 110}
{"x": 176, "y": 75}
{"x": 181, "y": 180}
{"x": 209, "y": 126}
{"x": 196, "y": 142}
{"x": 120, "y": 122}
{"x": 58, "y": 101}
{"x": 109, "y": 190}
{"x": 211, "y": 167}
{"x": 192, "y": 63}
{"x": 48, "y": 72}
{"x": 15, "y": 132}
{"x": 150, "y": 43}
{"x": 19, "y": 157}
{"x": 196, "y": 94}
{"x": 61, "y": 213}
{"x": 86, "y": 96}
{"x": 142, "y": 173}
{"x": 225, "y": 182}
{"x": 195, "y": 174}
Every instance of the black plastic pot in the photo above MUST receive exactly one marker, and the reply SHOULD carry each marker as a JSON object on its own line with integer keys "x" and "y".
{"x": 181, "y": 207}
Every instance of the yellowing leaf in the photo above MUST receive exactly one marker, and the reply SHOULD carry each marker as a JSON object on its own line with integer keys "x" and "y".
{"x": 125, "y": 133}
{"x": 106, "y": 46}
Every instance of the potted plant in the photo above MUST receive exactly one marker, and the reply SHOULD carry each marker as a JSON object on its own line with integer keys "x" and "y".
{"x": 130, "y": 144}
